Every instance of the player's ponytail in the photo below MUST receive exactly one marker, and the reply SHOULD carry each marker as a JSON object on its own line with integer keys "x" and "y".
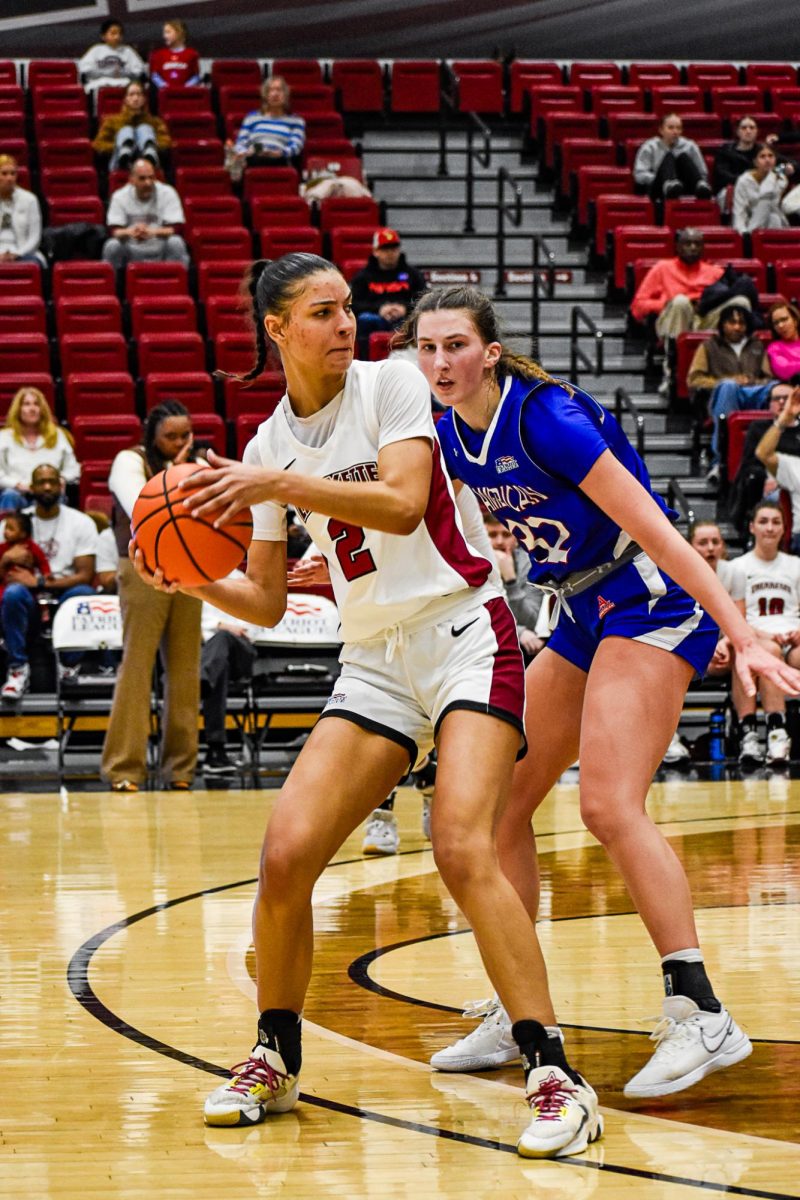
{"x": 269, "y": 288}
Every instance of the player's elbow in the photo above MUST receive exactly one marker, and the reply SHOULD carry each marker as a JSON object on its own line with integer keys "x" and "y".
{"x": 408, "y": 517}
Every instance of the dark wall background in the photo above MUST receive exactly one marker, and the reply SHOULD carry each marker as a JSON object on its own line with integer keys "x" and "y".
{"x": 592, "y": 29}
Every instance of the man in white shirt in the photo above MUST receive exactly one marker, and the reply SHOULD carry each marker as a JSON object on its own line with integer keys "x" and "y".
{"x": 145, "y": 220}
{"x": 69, "y": 541}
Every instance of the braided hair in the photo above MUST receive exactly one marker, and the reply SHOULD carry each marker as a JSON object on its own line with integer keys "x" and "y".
{"x": 270, "y": 288}
{"x": 484, "y": 319}
{"x": 153, "y": 457}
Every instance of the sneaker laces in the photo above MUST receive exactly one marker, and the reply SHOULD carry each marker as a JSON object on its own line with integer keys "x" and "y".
{"x": 255, "y": 1071}
{"x": 481, "y": 1008}
{"x": 550, "y": 1097}
{"x": 671, "y": 1036}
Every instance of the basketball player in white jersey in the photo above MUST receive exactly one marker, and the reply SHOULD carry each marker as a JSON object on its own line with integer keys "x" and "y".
{"x": 765, "y": 585}
{"x": 430, "y": 656}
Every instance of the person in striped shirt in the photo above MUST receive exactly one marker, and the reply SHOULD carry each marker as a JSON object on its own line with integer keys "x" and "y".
{"x": 272, "y": 135}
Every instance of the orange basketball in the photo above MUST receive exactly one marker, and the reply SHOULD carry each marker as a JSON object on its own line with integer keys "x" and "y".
{"x": 189, "y": 550}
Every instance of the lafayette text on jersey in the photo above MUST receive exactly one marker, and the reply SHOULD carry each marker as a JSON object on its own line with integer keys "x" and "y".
{"x": 526, "y": 468}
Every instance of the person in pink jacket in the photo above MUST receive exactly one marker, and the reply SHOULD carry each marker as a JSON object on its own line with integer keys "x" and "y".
{"x": 784, "y": 352}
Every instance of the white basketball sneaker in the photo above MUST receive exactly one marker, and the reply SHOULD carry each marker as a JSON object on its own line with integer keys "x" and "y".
{"x": 490, "y": 1045}
{"x": 690, "y": 1044}
{"x": 381, "y": 835}
{"x": 779, "y": 745}
{"x": 259, "y": 1086}
{"x": 564, "y": 1117}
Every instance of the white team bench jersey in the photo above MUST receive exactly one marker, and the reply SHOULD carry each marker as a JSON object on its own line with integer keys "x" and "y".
{"x": 379, "y": 579}
{"x": 770, "y": 590}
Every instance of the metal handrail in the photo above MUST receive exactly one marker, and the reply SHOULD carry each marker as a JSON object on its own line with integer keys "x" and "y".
{"x": 677, "y": 497}
{"x": 482, "y": 156}
{"x": 623, "y": 399}
{"x": 511, "y": 211}
{"x": 579, "y": 316}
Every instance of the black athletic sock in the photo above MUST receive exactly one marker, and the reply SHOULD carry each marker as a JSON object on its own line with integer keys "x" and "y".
{"x": 776, "y": 720}
{"x": 539, "y": 1049}
{"x": 749, "y": 724}
{"x": 690, "y": 979}
{"x": 279, "y": 1029}
{"x": 387, "y": 805}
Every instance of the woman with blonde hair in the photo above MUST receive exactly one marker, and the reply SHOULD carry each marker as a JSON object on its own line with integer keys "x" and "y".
{"x": 31, "y": 438}
{"x": 20, "y": 217}
{"x": 272, "y": 135}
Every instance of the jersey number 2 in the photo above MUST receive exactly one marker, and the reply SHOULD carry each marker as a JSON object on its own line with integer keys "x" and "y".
{"x": 348, "y": 541}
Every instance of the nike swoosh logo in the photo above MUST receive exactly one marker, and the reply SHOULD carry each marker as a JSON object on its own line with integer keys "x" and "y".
{"x": 458, "y": 632}
{"x": 725, "y": 1033}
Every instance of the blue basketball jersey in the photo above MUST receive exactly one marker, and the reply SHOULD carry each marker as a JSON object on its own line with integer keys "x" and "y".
{"x": 527, "y": 466}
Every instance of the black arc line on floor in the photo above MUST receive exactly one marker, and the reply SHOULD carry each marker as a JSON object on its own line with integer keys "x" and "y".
{"x": 84, "y": 993}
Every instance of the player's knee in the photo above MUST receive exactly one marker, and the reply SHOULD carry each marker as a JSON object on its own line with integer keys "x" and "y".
{"x": 602, "y": 819}
{"x": 462, "y": 856}
{"x": 285, "y": 868}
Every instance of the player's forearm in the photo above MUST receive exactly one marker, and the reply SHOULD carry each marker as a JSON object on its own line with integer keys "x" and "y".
{"x": 255, "y": 602}
{"x": 390, "y": 508}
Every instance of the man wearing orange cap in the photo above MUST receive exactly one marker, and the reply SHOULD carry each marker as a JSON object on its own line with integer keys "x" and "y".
{"x": 386, "y": 288}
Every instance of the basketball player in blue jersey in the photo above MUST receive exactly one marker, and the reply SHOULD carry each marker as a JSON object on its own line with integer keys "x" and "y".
{"x": 634, "y": 611}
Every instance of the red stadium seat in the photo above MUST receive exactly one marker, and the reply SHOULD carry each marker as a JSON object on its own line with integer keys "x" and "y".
{"x": 325, "y": 125}
{"x": 358, "y": 83}
{"x": 202, "y": 181}
{"x": 226, "y": 314}
{"x": 12, "y": 98}
{"x": 62, "y": 125}
{"x": 235, "y": 352}
{"x": 625, "y": 126}
{"x": 88, "y": 314}
{"x": 161, "y": 278}
{"x": 22, "y": 315}
{"x": 174, "y": 102}
{"x": 351, "y": 242}
{"x": 351, "y": 266}
{"x": 12, "y": 127}
{"x": 170, "y": 353}
{"x": 308, "y": 98}
{"x": 752, "y": 267}
{"x": 80, "y": 277}
{"x": 209, "y": 210}
{"x": 653, "y": 74}
{"x": 282, "y": 211}
{"x": 733, "y": 102}
{"x": 100, "y": 438}
{"x": 710, "y": 75}
{"x": 290, "y": 239}
{"x": 50, "y": 72}
{"x": 676, "y": 99}
{"x": 786, "y": 102}
{"x": 64, "y": 210}
{"x": 271, "y": 181}
{"x": 685, "y": 210}
{"x": 597, "y": 181}
{"x": 98, "y": 394}
{"x": 415, "y": 87}
{"x": 58, "y": 98}
{"x": 224, "y": 242}
{"x": 246, "y": 429}
{"x": 259, "y": 398}
{"x": 737, "y": 424}
{"x": 221, "y": 278}
{"x": 209, "y": 427}
{"x": 69, "y": 181}
{"x": 720, "y": 242}
{"x": 611, "y": 98}
{"x": 612, "y": 211}
{"x": 162, "y": 314}
{"x": 20, "y": 279}
{"x": 11, "y": 383}
{"x": 8, "y": 72}
{"x": 560, "y": 125}
{"x": 774, "y": 245}
{"x": 686, "y": 346}
{"x": 787, "y": 280}
{"x": 380, "y": 343}
{"x": 700, "y": 125}
{"x": 480, "y": 86}
{"x": 235, "y": 72}
{"x": 341, "y": 164}
{"x": 588, "y": 75}
{"x": 579, "y": 152}
{"x": 638, "y": 241}
{"x": 108, "y": 101}
{"x": 194, "y": 389}
{"x": 73, "y": 152}
{"x": 18, "y": 148}
{"x": 770, "y": 75}
{"x": 193, "y": 126}
{"x": 118, "y": 179}
{"x": 524, "y": 75}
{"x": 206, "y": 153}
{"x": 90, "y": 353}
{"x": 331, "y": 149}
{"x": 24, "y": 353}
{"x": 298, "y": 71}
{"x": 547, "y": 98}
{"x": 239, "y": 100}
{"x": 348, "y": 210}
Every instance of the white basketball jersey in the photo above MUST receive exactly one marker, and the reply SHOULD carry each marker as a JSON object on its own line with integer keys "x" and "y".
{"x": 770, "y": 590}
{"x": 379, "y": 579}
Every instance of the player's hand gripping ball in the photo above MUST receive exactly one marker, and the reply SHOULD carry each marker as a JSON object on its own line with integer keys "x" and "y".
{"x": 189, "y": 550}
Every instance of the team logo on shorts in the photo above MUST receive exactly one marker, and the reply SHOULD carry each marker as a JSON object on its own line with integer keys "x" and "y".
{"x": 604, "y": 606}
{"x": 506, "y": 462}
{"x": 336, "y": 698}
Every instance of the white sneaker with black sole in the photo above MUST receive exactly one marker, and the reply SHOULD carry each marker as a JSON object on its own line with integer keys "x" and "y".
{"x": 690, "y": 1044}
{"x": 490, "y": 1045}
{"x": 750, "y": 750}
{"x": 564, "y": 1119}
{"x": 779, "y": 745}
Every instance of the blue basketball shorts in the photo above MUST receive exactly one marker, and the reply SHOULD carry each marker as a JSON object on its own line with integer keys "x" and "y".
{"x": 640, "y": 602}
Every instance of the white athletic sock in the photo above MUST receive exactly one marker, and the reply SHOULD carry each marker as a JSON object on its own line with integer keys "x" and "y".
{"x": 554, "y": 1031}
{"x": 692, "y": 955}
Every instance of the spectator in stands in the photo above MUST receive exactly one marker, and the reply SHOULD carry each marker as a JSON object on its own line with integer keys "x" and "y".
{"x": 21, "y": 559}
{"x": 271, "y": 135}
{"x": 731, "y": 159}
{"x": 670, "y": 165}
{"x": 525, "y": 602}
{"x": 751, "y": 482}
{"x": 107, "y": 557}
{"x": 20, "y": 217}
{"x": 145, "y": 220}
{"x": 152, "y": 620}
{"x": 110, "y": 63}
{"x": 134, "y": 132}
{"x": 68, "y": 539}
{"x": 175, "y": 65}
{"x": 758, "y": 193}
{"x": 706, "y": 538}
{"x": 29, "y": 438}
{"x": 781, "y": 460}
{"x": 784, "y": 351}
{"x": 385, "y": 289}
{"x": 227, "y": 657}
{"x": 733, "y": 367}
{"x": 766, "y": 587}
